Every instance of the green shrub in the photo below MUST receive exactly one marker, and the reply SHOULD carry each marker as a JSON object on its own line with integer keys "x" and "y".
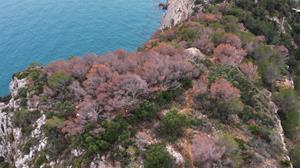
{"x": 156, "y": 156}
{"x": 217, "y": 108}
{"x": 6, "y": 165}
{"x": 216, "y": 26}
{"x": 249, "y": 93}
{"x": 94, "y": 144}
{"x": 289, "y": 111}
{"x": 297, "y": 37}
{"x": 165, "y": 97}
{"x": 217, "y": 37}
{"x": 54, "y": 122}
{"x": 56, "y": 143}
{"x": 197, "y": 2}
{"x": 127, "y": 156}
{"x": 297, "y": 83}
{"x": 295, "y": 156}
{"x": 34, "y": 74}
{"x": 25, "y": 148}
{"x": 172, "y": 125}
{"x": 235, "y": 11}
{"x": 287, "y": 100}
{"x": 258, "y": 24}
{"x": 296, "y": 70}
{"x": 245, "y": 4}
{"x": 5, "y": 99}
{"x": 188, "y": 34}
{"x": 296, "y": 67}
{"x": 260, "y": 118}
{"x": 210, "y": 8}
{"x": 262, "y": 52}
{"x": 230, "y": 23}
{"x": 82, "y": 161}
{"x": 246, "y": 37}
{"x": 290, "y": 124}
{"x": 22, "y": 92}
{"x": 40, "y": 159}
{"x": 186, "y": 83}
{"x": 24, "y": 120}
{"x": 63, "y": 108}
{"x": 59, "y": 80}
{"x": 232, "y": 149}
{"x": 285, "y": 163}
{"x": 270, "y": 72}
{"x": 260, "y": 132}
{"x": 116, "y": 132}
{"x": 146, "y": 111}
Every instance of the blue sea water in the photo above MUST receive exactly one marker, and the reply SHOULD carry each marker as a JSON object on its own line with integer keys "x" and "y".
{"x": 46, "y": 30}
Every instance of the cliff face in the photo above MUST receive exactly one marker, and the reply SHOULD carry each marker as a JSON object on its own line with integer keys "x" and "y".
{"x": 15, "y": 147}
{"x": 178, "y": 11}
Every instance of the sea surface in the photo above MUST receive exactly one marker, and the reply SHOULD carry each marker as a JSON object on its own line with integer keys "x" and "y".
{"x": 46, "y": 30}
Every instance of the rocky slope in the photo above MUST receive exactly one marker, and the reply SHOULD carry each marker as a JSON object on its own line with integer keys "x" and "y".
{"x": 23, "y": 151}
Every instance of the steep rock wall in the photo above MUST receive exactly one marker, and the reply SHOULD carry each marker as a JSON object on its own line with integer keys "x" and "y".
{"x": 178, "y": 11}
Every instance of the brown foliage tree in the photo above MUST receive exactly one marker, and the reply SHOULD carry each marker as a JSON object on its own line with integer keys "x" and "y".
{"x": 223, "y": 89}
{"x": 227, "y": 54}
{"x": 250, "y": 70}
{"x": 204, "y": 43}
{"x": 60, "y": 65}
{"x": 76, "y": 91}
{"x": 118, "y": 81}
{"x": 98, "y": 74}
{"x": 122, "y": 92}
{"x": 232, "y": 40}
{"x": 209, "y": 17}
{"x": 205, "y": 150}
{"x": 74, "y": 126}
{"x": 78, "y": 68}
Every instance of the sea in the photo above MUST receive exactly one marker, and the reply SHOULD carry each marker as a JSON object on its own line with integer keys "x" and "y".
{"x": 41, "y": 31}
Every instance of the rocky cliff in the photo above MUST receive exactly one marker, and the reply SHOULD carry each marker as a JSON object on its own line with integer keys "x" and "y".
{"x": 177, "y": 11}
{"x": 180, "y": 10}
{"x": 15, "y": 147}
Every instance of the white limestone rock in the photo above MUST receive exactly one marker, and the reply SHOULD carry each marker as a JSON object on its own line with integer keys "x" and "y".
{"x": 195, "y": 54}
{"x": 178, "y": 11}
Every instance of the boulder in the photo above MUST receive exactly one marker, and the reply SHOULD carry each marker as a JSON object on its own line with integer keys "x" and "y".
{"x": 195, "y": 54}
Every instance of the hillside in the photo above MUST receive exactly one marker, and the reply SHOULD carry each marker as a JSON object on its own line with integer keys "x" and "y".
{"x": 218, "y": 86}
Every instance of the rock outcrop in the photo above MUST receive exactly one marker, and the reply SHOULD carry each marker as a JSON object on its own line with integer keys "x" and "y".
{"x": 9, "y": 134}
{"x": 178, "y": 11}
{"x": 12, "y": 142}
